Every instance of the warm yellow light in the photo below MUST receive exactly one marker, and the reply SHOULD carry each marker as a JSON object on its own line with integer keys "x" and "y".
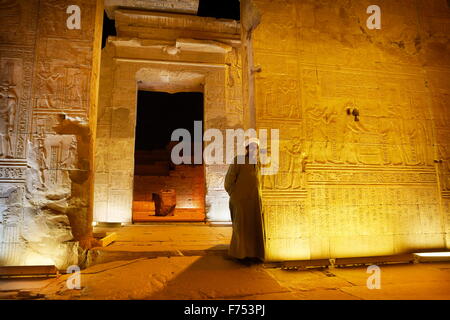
{"x": 433, "y": 254}
{"x": 33, "y": 259}
{"x": 94, "y": 223}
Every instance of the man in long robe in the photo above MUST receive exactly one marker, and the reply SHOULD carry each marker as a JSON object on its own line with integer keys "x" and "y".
{"x": 243, "y": 184}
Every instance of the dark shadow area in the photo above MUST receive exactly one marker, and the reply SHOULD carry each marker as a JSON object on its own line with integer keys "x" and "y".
{"x": 160, "y": 113}
{"x": 225, "y": 9}
{"x": 109, "y": 28}
{"x": 215, "y": 275}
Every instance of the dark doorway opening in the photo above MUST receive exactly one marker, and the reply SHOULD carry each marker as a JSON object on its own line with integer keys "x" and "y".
{"x": 109, "y": 29}
{"x": 225, "y": 9}
{"x": 162, "y": 190}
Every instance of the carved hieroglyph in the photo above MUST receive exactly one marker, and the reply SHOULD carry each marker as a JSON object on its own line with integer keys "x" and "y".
{"x": 369, "y": 187}
{"x": 169, "y": 65}
{"x": 45, "y": 70}
{"x": 380, "y": 185}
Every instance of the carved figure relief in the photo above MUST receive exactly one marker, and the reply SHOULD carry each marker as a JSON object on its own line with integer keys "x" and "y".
{"x": 49, "y": 87}
{"x": 321, "y": 122}
{"x": 392, "y": 143}
{"x": 42, "y": 161}
{"x": 280, "y": 99}
{"x": 75, "y": 88}
{"x": 8, "y": 106}
{"x": 292, "y": 164}
{"x": 235, "y": 69}
{"x": 415, "y": 146}
{"x": 56, "y": 154}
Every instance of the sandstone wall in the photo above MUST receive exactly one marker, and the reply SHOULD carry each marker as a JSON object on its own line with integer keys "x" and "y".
{"x": 170, "y": 53}
{"x": 48, "y": 79}
{"x": 370, "y": 187}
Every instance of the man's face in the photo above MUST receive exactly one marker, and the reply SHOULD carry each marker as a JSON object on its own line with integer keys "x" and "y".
{"x": 252, "y": 150}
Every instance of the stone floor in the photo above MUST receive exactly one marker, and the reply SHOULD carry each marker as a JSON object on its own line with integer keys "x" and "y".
{"x": 188, "y": 261}
{"x": 163, "y": 239}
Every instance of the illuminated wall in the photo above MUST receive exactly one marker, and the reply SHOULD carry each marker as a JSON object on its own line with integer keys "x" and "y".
{"x": 369, "y": 187}
{"x": 376, "y": 186}
{"x": 46, "y": 69}
{"x": 169, "y": 53}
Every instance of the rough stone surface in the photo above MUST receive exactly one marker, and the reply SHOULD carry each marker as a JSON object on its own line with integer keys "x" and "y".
{"x": 187, "y": 269}
{"x": 376, "y": 186}
{"x": 47, "y": 70}
{"x": 163, "y": 60}
{"x": 178, "y": 6}
{"x": 369, "y": 187}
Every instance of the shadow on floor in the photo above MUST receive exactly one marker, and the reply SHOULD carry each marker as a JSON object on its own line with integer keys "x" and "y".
{"x": 218, "y": 277}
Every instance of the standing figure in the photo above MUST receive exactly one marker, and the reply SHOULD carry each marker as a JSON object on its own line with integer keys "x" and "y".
{"x": 8, "y": 104}
{"x": 243, "y": 184}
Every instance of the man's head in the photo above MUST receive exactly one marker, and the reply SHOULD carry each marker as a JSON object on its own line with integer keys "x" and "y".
{"x": 252, "y": 149}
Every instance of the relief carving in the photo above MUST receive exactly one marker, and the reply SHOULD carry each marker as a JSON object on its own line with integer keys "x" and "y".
{"x": 56, "y": 156}
{"x": 8, "y": 106}
{"x": 10, "y": 14}
{"x": 292, "y": 164}
{"x": 279, "y": 98}
{"x": 336, "y": 138}
{"x": 49, "y": 86}
{"x": 444, "y": 166}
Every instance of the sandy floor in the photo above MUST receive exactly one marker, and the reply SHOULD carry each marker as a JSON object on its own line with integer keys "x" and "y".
{"x": 186, "y": 269}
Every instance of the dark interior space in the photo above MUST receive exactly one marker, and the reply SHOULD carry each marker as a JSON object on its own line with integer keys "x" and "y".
{"x": 158, "y": 115}
{"x": 225, "y": 9}
{"x": 109, "y": 28}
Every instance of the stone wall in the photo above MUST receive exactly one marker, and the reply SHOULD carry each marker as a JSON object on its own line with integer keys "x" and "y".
{"x": 380, "y": 185}
{"x": 369, "y": 187}
{"x": 187, "y": 180}
{"x": 169, "y": 53}
{"x": 48, "y": 76}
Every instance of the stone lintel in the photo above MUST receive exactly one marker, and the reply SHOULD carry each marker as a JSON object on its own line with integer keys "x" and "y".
{"x": 177, "y": 6}
{"x": 179, "y": 50}
{"x": 173, "y": 47}
{"x": 157, "y": 25}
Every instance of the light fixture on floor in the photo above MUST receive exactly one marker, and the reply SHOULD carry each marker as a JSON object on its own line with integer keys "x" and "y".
{"x": 432, "y": 256}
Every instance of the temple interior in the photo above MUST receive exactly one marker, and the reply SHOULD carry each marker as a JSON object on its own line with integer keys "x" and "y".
{"x": 158, "y": 115}
{"x": 90, "y": 91}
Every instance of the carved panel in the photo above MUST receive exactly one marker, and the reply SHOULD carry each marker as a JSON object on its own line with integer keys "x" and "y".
{"x": 53, "y": 17}
{"x": 18, "y": 25}
{"x": 11, "y": 219}
{"x": 279, "y": 98}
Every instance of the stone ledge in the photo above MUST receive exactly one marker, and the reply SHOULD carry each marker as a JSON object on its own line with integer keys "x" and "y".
{"x": 178, "y": 6}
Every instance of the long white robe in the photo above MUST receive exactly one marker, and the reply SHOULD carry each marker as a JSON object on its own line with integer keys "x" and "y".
{"x": 243, "y": 184}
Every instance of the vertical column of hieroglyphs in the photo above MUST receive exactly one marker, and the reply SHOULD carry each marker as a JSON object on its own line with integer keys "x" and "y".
{"x": 61, "y": 86}
{"x": 218, "y": 87}
{"x": 222, "y": 111}
{"x": 17, "y": 39}
{"x": 278, "y": 97}
{"x": 103, "y": 135}
{"x": 121, "y": 146}
{"x": 435, "y": 22}
{"x": 370, "y": 185}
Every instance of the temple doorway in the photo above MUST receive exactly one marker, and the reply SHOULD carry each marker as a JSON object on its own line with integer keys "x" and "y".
{"x": 163, "y": 190}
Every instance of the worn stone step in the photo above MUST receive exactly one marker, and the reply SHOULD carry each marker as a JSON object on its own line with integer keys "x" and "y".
{"x": 103, "y": 255}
